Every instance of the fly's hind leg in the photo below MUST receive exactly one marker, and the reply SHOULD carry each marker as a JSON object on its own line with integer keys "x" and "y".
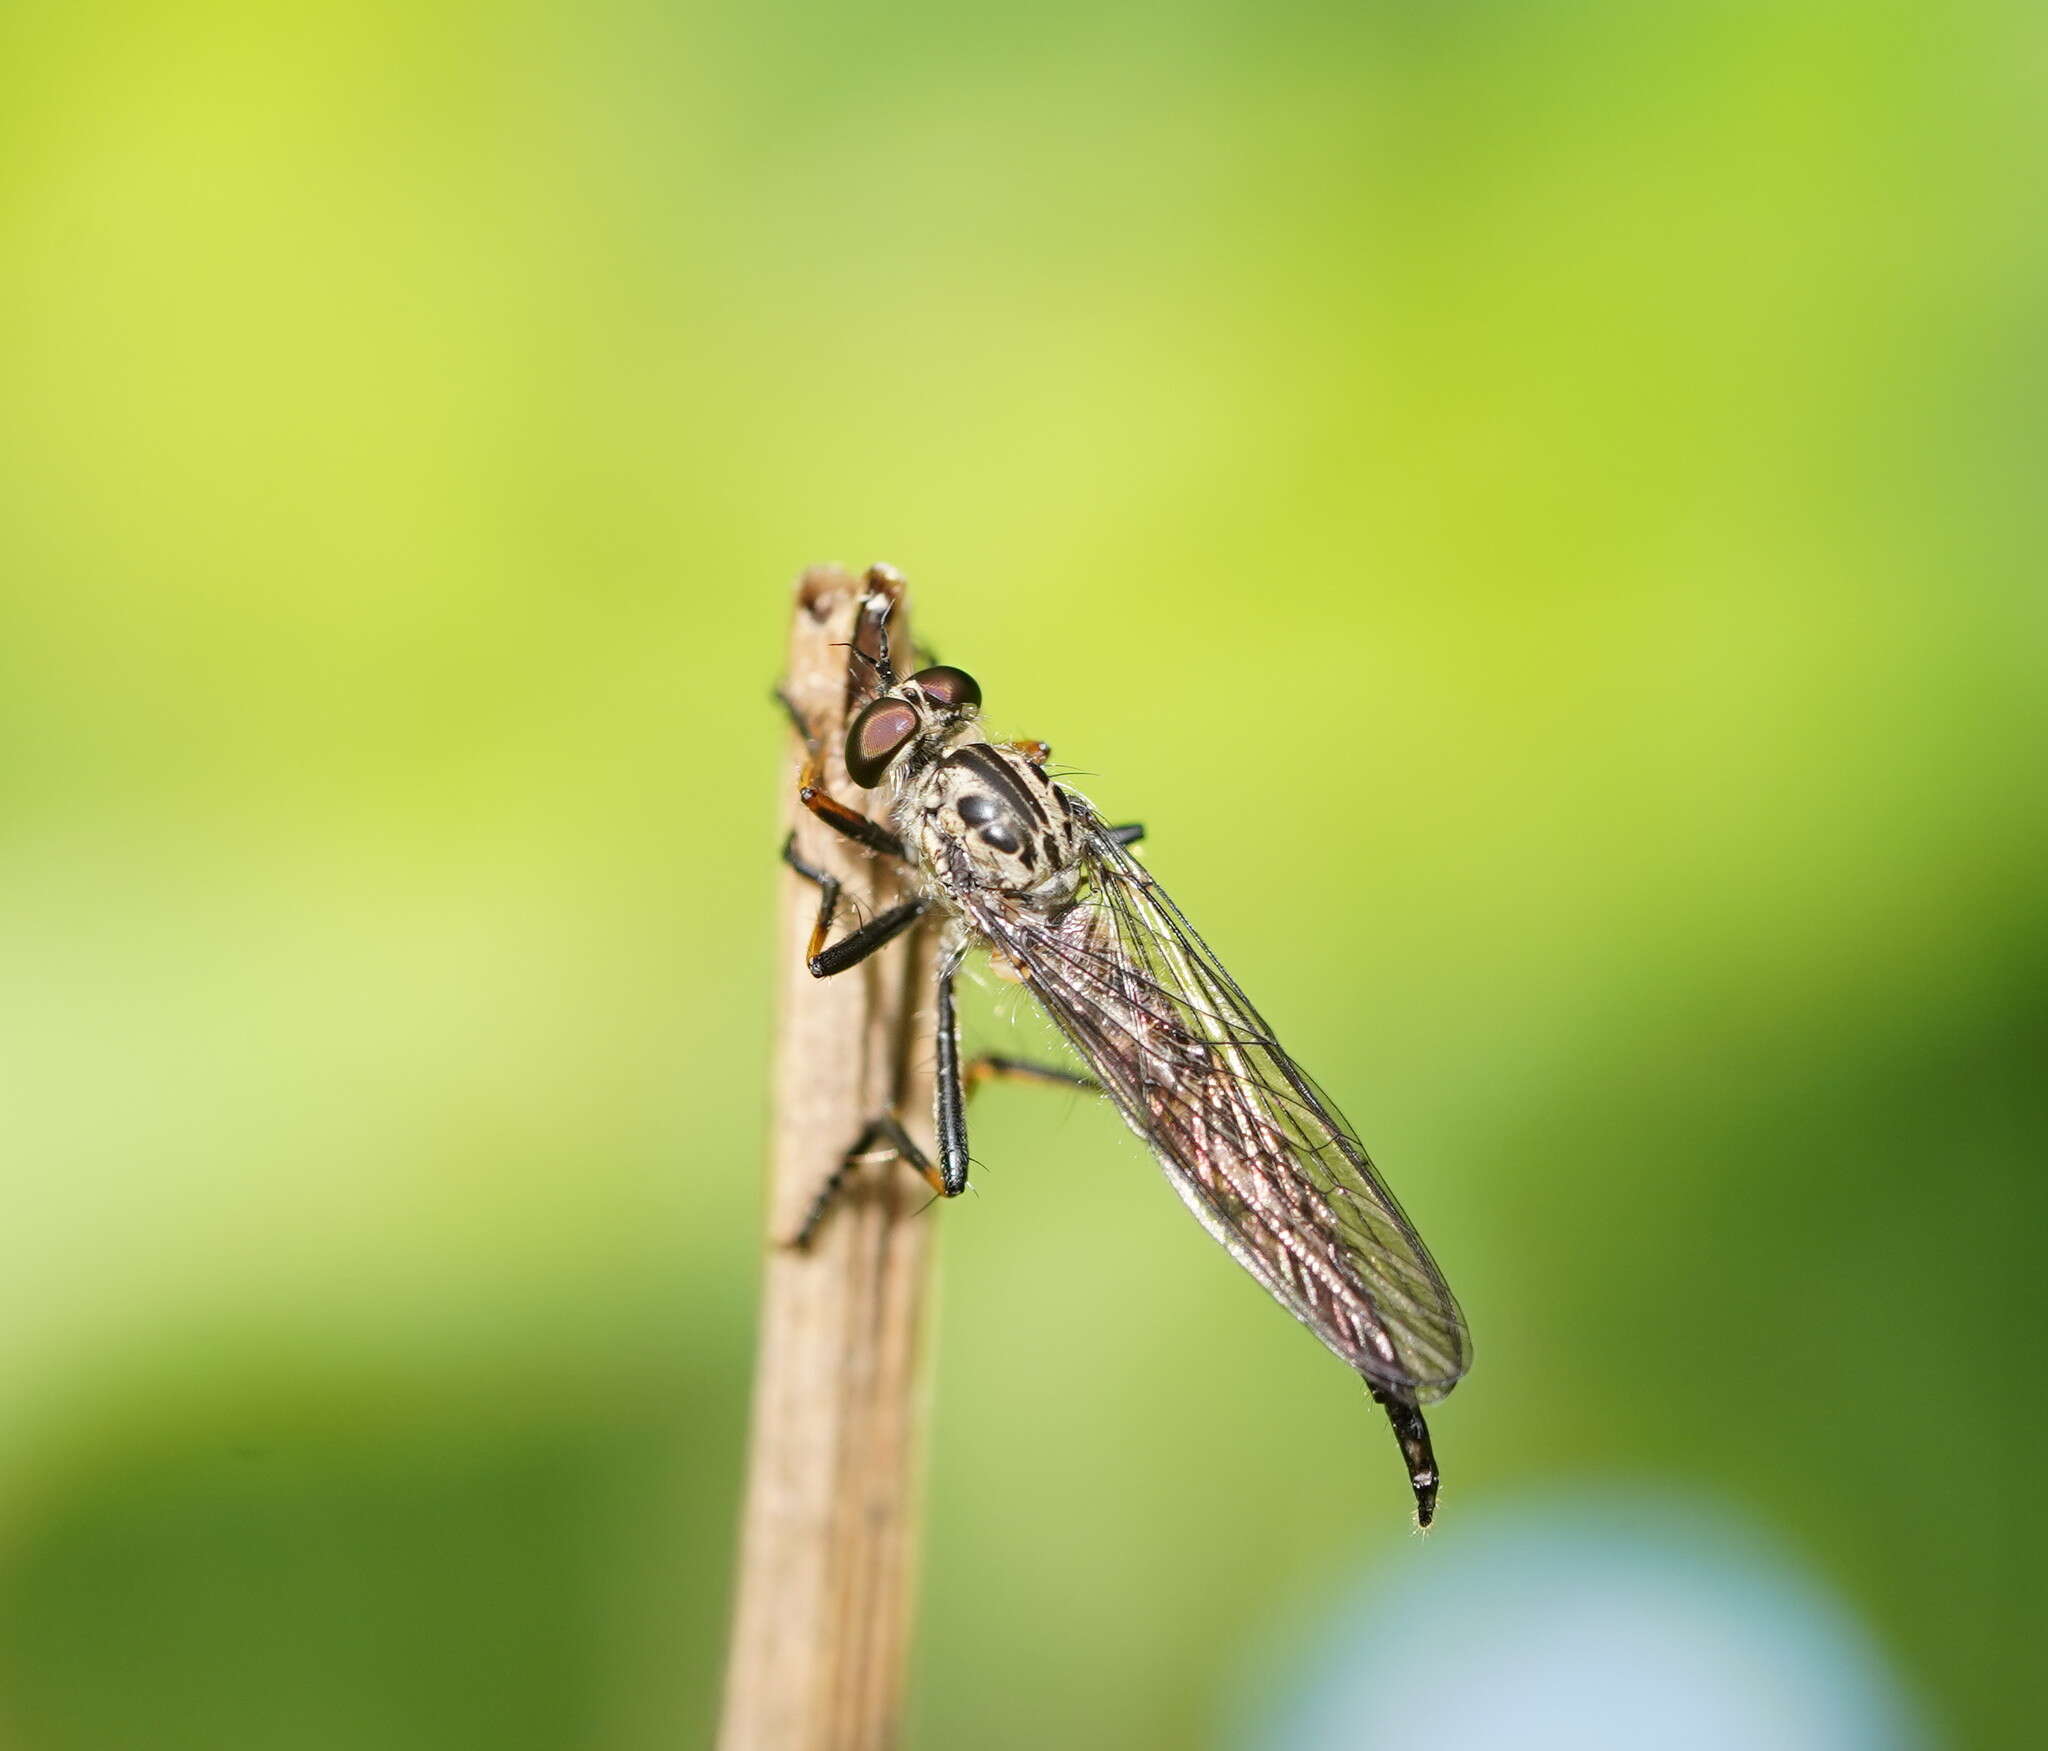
{"x": 953, "y": 1085}
{"x": 886, "y": 1133}
{"x": 991, "y": 1068}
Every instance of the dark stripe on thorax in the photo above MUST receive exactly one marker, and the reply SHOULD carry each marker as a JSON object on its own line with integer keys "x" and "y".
{"x": 981, "y": 758}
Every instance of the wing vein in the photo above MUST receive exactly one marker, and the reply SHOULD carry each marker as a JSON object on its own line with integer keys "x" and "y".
{"x": 1257, "y": 1151}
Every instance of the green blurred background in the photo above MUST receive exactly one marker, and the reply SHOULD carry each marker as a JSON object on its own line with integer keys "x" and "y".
{"x": 1537, "y": 506}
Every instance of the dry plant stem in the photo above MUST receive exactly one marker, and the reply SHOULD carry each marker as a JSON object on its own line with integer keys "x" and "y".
{"x": 821, "y": 1624}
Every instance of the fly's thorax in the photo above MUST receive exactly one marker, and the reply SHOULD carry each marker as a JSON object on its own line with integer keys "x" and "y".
{"x": 985, "y": 816}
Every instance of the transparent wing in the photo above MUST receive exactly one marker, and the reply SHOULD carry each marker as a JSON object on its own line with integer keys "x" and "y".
{"x": 1256, "y": 1150}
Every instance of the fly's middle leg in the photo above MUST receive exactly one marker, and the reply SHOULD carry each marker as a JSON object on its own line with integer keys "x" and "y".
{"x": 851, "y": 949}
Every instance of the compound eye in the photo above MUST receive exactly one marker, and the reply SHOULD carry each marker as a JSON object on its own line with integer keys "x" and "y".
{"x": 949, "y": 687}
{"x": 876, "y": 737}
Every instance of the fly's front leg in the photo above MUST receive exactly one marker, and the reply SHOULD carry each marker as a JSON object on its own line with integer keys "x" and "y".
{"x": 1129, "y": 834}
{"x": 854, "y": 948}
{"x": 811, "y": 792}
{"x": 857, "y": 947}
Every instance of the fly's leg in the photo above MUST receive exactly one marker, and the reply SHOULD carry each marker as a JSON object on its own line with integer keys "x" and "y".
{"x": 1129, "y": 834}
{"x": 953, "y": 1085}
{"x": 949, "y": 1091}
{"x": 797, "y": 721}
{"x": 989, "y": 1068}
{"x": 1413, "y": 1435}
{"x": 885, "y": 590}
{"x": 854, "y": 825}
{"x": 886, "y": 1130}
{"x": 828, "y": 892}
{"x": 889, "y": 1131}
{"x": 811, "y": 792}
{"x": 853, "y": 948}
{"x": 878, "y": 932}
{"x": 824, "y": 961}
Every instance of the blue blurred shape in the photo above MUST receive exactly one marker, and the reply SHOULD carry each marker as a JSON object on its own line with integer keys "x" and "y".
{"x": 1583, "y": 1623}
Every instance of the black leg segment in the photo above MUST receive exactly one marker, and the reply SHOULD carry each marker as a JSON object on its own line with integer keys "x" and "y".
{"x": 878, "y": 932}
{"x": 949, "y": 1095}
{"x": 884, "y": 1130}
{"x": 850, "y": 950}
{"x": 828, "y": 894}
{"x": 953, "y": 1084}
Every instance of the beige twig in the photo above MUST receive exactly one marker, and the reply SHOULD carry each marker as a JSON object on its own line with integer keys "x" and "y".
{"x": 821, "y": 1623}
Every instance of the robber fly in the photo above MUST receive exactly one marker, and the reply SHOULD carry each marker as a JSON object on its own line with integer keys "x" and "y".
{"x": 1015, "y": 862}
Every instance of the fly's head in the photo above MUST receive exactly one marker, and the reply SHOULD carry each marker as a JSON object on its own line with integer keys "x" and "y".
{"x": 982, "y": 815}
{"x": 903, "y": 730}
